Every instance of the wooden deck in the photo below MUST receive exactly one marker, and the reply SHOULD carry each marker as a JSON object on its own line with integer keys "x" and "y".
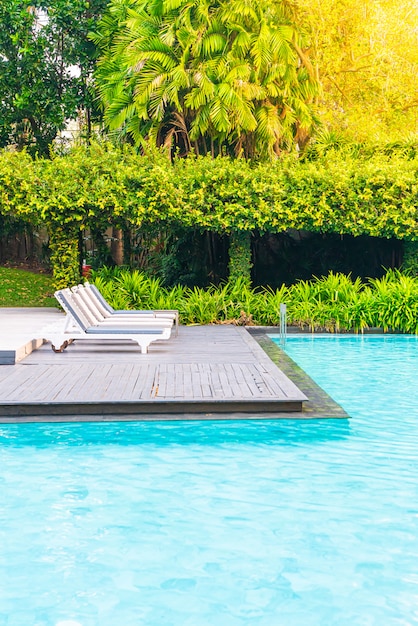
{"x": 206, "y": 372}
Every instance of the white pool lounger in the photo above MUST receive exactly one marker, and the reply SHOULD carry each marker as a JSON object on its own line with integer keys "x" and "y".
{"x": 80, "y": 325}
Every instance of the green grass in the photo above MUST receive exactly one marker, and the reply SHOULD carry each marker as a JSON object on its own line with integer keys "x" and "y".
{"x": 20, "y": 288}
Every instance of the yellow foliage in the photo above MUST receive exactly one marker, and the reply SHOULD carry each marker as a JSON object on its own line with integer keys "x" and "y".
{"x": 366, "y": 58}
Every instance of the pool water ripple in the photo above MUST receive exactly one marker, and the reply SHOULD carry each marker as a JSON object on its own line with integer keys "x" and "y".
{"x": 223, "y": 524}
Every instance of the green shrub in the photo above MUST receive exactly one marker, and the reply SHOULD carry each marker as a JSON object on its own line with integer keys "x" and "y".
{"x": 394, "y": 302}
{"x": 101, "y": 186}
{"x": 332, "y": 303}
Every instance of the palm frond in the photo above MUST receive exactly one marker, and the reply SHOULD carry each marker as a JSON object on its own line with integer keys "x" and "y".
{"x": 219, "y": 115}
{"x": 213, "y": 43}
{"x": 235, "y": 69}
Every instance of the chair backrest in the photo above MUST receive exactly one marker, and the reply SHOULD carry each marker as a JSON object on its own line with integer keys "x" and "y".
{"x": 89, "y": 314}
{"x": 102, "y": 307}
{"x": 89, "y": 304}
{"x": 96, "y": 301}
{"x": 97, "y": 294}
{"x": 64, "y": 297}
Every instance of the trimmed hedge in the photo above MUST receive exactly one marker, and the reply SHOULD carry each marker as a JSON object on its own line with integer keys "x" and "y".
{"x": 100, "y": 186}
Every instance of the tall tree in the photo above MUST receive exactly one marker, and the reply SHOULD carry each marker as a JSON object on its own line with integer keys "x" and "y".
{"x": 366, "y": 58}
{"x": 214, "y": 77}
{"x": 46, "y": 65}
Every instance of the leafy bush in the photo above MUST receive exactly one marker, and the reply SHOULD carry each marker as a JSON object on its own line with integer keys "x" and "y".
{"x": 100, "y": 186}
{"x": 332, "y": 303}
{"x": 394, "y": 302}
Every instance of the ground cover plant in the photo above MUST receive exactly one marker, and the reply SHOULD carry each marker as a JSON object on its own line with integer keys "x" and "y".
{"x": 333, "y": 303}
{"x": 22, "y": 288}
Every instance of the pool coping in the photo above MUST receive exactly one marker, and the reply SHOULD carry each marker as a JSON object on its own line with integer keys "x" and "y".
{"x": 320, "y": 404}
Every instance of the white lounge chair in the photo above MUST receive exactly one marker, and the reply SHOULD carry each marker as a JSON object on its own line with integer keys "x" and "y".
{"x": 88, "y": 305}
{"x": 102, "y": 305}
{"x": 78, "y": 326}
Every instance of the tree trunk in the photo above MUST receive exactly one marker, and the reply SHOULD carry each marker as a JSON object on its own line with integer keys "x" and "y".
{"x": 116, "y": 246}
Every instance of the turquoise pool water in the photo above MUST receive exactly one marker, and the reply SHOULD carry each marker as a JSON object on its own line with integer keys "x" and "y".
{"x": 223, "y": 524}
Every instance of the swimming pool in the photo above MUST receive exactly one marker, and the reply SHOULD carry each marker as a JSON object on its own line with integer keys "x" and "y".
{"x": 226, "y": 524}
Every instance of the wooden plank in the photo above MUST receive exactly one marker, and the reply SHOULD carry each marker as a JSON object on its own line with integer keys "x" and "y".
{"x": 216, "y": 381}
{"x": 258, "y": 378}
{"x": 205, "y": 380}
{"x": 17, "y": 383}
{"x": 30, "y": 381}
{"x": 142, "y": 381}
{"x": 161, "y": 380}
{"x": 116, "y": 381}
{"x": 231, "y": 372}
{"x": 247, "y": 375}
{"x": 170, "y": 382}
{"x": 58, "y": 384}
{"x": 179, "y": 381}
{"x": 197, "y": 387}
{"x": 89, "y": 383}
{"x": 274, "y": 385}
{"x": 246, "y": 380}
{"x": 187, "y": 381}
{"x": 67, "y": 383}
{"x": 225, "y": 382}
{"x": 122, "y": 384}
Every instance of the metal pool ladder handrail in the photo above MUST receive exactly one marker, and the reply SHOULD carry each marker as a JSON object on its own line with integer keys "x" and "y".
{"x": 283, "y": 324}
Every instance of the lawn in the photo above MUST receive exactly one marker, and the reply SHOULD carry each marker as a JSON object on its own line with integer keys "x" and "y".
{"x": 21, "y": 288}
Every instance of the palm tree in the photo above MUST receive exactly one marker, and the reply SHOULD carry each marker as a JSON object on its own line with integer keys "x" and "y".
{"x": 214, "y": 77}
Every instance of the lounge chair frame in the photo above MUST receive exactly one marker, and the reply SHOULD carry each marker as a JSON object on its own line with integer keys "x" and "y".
{"x": 79, "y": 325}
